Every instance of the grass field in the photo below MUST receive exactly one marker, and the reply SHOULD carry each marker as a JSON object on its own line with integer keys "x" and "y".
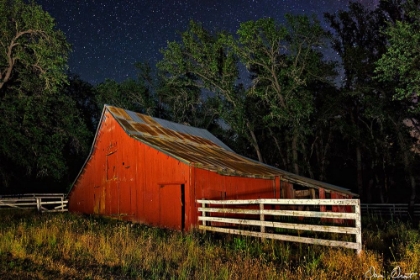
{"x": 66, "y": 246}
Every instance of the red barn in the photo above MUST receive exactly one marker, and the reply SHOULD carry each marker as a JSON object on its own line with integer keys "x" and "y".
{"x": 151, "y": 171}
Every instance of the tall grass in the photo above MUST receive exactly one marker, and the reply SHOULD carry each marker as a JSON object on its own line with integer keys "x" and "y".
{"x": 66, "y": 246}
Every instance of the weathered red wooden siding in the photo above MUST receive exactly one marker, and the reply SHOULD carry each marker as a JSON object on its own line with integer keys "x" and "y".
{"x": 211, "y": 185}
{"x": 342, "y": 209}
{"x": 287, "y": 189}
{"x": 127, "y": 179}
{"x": 321, "y": 192}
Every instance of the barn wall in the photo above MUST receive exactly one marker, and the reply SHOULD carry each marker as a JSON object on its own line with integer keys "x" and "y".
{"x": 210, "y": 185}
{"x": 129, "y": 180}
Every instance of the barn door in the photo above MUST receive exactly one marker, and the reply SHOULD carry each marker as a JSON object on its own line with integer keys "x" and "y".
{"x": 172, "y": 206}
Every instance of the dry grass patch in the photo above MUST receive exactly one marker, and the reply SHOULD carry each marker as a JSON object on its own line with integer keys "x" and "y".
{"x": 65, "y": 246}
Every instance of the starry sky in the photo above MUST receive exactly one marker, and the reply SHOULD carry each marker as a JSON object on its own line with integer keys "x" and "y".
{"x": 109, "y": 36}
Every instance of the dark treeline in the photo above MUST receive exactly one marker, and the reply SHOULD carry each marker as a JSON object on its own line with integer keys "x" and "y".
{"x": 351, "y": 122}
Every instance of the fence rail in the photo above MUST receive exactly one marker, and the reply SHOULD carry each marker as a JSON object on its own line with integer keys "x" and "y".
{"x": 388, "y": 209}
{"x": 227, "y": 218}
{"x": 44, "y": 202}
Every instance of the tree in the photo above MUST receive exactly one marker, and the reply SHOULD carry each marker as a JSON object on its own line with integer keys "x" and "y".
{"x": 205, "y": 63}
{"x": 370, "y": 120}
{"x": 400, "y": 62}
{"x": 283, "y": 61}
{"x": 38, "y": 134}
{"x": 398, "y": 67}
{"x": 30, "y": 46}
{"x": 359, "y": 44}
{"x": 41, "y": 125}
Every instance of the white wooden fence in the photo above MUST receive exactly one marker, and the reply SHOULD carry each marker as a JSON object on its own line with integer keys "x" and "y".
{"x": 44, "y": 202}
{"x": 267, "y": 209}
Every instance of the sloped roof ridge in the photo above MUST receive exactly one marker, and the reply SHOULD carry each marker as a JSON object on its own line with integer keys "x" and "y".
{"x": 137, "y": 118}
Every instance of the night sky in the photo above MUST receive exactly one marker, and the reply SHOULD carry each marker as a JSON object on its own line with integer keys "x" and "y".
{"x": 109, "y": 36}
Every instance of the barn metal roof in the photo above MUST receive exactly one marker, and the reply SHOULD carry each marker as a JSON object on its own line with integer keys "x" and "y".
{"x": 202, "y": 149}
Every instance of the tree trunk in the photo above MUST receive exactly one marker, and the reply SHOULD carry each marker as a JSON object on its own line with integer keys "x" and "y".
{"x": 283, "y": 157}
{"x": 407, "y": 166}
{"x": 323, "y": 156}
{"x": 255, "y": 143}
{"x": 411, "y": 179}
{"x": 359, "y": 172}
{"x": 307, "y": 159}
{"x": 295, "y": 152}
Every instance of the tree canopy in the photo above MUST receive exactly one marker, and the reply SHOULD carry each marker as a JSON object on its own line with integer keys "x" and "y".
{"x": 41, "y": 126}
{"x": 400, "y": 63}
{"x": 31, "y": 47}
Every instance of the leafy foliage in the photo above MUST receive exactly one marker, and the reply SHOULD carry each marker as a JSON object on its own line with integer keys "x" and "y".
{"x": 41, "y": 126}
{"x": 370, "y": 120}
{"x": 205, "y": 62}
{"x": 131, "y": 94}
{"x": 400, "y": 62}
{"x": 284, "y": 60}
{"x": 39, "y": 133}
{"x": 30, "y": 47}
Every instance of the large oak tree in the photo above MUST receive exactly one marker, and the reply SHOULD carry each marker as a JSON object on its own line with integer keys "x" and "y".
{"x": 40, "y": 124}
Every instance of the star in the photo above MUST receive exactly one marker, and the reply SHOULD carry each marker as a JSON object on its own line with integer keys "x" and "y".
{"x": 108, "y": 37}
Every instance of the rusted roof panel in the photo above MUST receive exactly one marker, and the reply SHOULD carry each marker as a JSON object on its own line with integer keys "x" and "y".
{"x": 148, "y": 120}
{"x": 143, "y": 129}
{"x": 201, "y": 148}
{"x": 203, "y": 134}
{"x": 121, "y": 113}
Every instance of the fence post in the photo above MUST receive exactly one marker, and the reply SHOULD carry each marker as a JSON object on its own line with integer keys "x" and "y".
{"x": 203, "y": 214}
{"x": 38, "y": 204}
{"x": 262, "y": 217}
{"x": 358, "y": 223}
